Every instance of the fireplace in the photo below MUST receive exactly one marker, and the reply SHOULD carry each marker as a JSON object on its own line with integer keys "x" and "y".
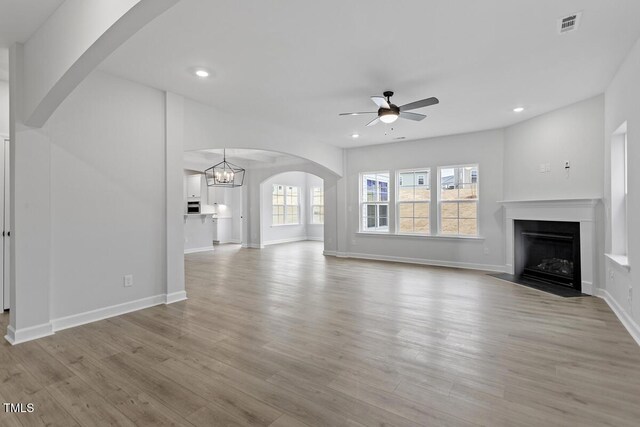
{"x": 548, "y": 251}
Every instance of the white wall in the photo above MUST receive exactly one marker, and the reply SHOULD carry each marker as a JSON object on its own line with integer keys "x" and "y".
{"x": 573, "y": 133}
{"x": 622, "y": 103}
{"x": 314, "y": 231}
{"x": 4, "y": 108}
{"x": 272, "y": 234}
{"x": 483, "y": 148}
{"x": 107, "y": 195}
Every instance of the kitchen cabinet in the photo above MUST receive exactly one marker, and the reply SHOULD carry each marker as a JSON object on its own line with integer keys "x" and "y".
{"x": 194, "y": 186}
{"x": 219, "y": 196}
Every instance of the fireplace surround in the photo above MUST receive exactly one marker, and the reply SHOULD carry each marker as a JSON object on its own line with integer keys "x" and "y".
{"x": 580, "y": 211}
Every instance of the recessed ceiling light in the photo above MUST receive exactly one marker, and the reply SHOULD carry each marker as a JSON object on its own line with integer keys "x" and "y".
{"x": 202, "y": 73}
{"x": 355, "y": 135}
{"x": 518, "y": 109}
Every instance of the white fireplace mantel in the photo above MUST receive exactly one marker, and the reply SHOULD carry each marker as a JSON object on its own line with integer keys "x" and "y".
{"x": 573, "y": 210}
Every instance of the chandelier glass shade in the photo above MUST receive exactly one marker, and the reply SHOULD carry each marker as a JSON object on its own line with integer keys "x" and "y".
{"x": 224, "y": 174}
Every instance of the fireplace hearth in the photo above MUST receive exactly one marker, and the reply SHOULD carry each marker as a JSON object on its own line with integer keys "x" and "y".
{"x": 548, "y": 252}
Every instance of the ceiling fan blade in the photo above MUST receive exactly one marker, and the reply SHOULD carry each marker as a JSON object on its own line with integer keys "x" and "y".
{"x": 412, "y": 116}
{"x": 373, "y": 122}
{"x": 419, "y": 104}
{"x": 357, "y": 114}
{"x": 380, "y": 102}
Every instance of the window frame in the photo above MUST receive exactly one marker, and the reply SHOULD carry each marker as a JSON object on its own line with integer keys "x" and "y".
{"x": 361, "y": 212}
{"x": 285, "y": 205}
{"x": 398, "y": 202}
{"x": 312, "y": 205}
{"x": 619, "y": 195}
{"x": 458, "y": 200}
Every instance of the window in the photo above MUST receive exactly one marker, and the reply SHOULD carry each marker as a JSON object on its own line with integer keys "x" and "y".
{"x": 374, "y": 201}
{"x": 414, "y": 196}
{"x": 317, "y": 205}
{"x": 619, "y": 244}
{"x": 458, "y": 200}
{"x": 286, "y": 205}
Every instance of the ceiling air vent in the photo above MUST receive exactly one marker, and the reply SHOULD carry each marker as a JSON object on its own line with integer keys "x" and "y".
{"x": 569, "y": 23}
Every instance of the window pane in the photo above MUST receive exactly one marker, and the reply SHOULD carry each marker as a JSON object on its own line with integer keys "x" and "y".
{"x": 468, "y": 191}
{"x": 371, "y": 210}
{"x": 468, "y": 227}
{"x": 371, "y": 222}
{"x": 449, "y": 209}
{"x": 382, "y": 222}
{"x": 449, "y": 226}
{"x": 406, "y": 193}
{"x": 406, "y": 225}
{"x": 406, "y": 210}
{"x": 382, "y": 210}
{"x": 468, "y": 210}
{"x": 421, "y": 210}
{"x": 384, "y": 191}
{"x": 421, "y": 225}
{"x": 422, "y": 193}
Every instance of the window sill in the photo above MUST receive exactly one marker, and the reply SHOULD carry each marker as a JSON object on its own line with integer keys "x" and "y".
{"x": 621, "y": 260}
{"x": 420, "y": 236}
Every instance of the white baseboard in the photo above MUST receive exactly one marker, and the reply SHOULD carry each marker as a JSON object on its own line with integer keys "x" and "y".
{"x": 61, "y": 323}
{"x": 175, "y": 297}
{"x": 421, "y": 261}
{"x": 196, "y": 250}
{"x": 627, "y": 321}
{"x": 329, "y": 253}
{"x": 289, "y": 240}
{"x": 252, "y": 246}
{"x": 106, "y": 312}
{"x": 587, "y": 287}
{"x": 315, "y": 239}
{"x": 27, "y": 334}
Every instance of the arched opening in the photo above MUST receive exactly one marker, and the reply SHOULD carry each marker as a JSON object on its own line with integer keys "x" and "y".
{"x": 292, "y": 208}
{"x": 246, "y": 215}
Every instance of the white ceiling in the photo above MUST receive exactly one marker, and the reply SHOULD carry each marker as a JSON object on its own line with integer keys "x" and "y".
{"x": 298, "y": 63}
{"x": 18, "y": 20}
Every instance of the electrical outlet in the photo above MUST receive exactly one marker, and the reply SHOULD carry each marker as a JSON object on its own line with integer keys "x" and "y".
{"x": 611, "y": 274}
{"x": 353, "y": 241}
{"x": 128, "y": 280}
{"x": 486, "y": 250}
{"x": 630, "y": 294}
{"x": 542, "y": 168}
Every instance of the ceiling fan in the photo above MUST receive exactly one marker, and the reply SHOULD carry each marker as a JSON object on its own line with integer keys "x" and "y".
{"x": 389, "y": 113}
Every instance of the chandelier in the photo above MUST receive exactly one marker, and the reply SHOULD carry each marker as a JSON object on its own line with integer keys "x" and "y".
{"x": 224, "y": 174}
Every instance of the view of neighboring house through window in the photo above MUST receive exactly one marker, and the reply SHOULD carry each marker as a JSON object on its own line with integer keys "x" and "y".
{"x": 317, "y": 205}
{"x": 286, "y": 205}
{"x": 458, "y": 200}
{"x": 374, "y": 201}
{"x": 413, "y": 199}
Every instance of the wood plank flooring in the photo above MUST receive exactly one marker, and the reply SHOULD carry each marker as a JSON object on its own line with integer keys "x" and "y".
{"x": 285, "y": 337}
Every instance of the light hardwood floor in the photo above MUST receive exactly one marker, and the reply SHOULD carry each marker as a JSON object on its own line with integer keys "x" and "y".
{"x": 286, "y": 337}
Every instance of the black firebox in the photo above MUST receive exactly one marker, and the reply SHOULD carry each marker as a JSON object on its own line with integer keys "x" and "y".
{"x": 548, "y": 251}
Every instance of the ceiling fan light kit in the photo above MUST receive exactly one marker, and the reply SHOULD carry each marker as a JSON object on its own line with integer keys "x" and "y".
{"x": 389, "y": 113}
